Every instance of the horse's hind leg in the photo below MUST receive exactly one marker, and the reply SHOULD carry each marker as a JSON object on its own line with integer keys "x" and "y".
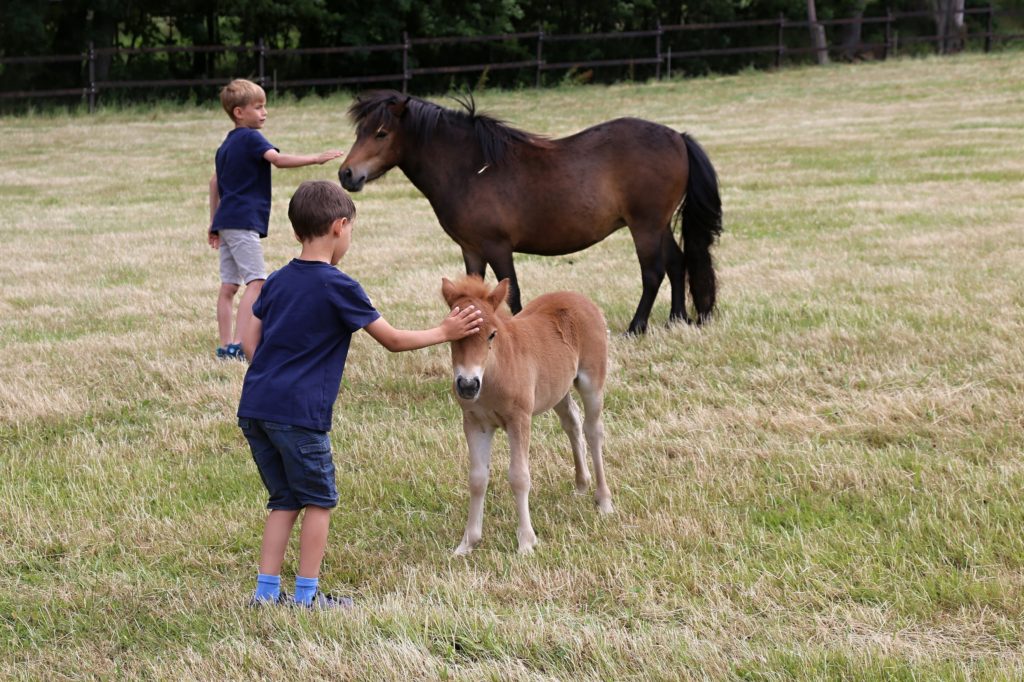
{"x": 569, "y": 415}
{"x": 676, "y": 267}
{"x": 652, "y": 270}
{"x": 593, "y": 427}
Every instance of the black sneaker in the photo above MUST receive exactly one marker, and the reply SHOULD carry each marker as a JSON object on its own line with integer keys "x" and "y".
{"x": 327, "y": 602}
{"x": 283, "y": 599}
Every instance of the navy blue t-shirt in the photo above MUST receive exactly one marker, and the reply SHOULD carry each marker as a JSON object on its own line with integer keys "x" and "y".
{"x": 243, "y": 182}
{"x": 309, "y": 311}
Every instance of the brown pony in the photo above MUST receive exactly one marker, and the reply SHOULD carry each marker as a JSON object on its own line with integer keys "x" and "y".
{"x": 498, "y": 190}
{"x": 518, "y": 367}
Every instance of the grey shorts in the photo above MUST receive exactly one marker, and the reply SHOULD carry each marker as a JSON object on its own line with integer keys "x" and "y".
{"x": 241, "y": 257}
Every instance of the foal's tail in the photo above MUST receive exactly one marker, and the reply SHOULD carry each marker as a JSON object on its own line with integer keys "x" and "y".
{"x": 701, "y": 213}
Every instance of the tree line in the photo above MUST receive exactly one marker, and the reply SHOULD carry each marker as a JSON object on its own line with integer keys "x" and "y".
{"x": 45, "y": 27}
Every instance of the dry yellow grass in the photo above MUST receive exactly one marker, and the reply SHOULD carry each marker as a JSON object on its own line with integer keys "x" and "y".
{"x": 823, "y": 483}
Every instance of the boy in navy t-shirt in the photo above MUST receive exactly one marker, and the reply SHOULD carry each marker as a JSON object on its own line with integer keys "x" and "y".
{"x": 302, "y": 325}
{"x": 240, "y": 206}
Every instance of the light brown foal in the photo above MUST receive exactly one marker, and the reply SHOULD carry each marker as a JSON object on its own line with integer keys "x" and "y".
{"x": 517, "y": 367}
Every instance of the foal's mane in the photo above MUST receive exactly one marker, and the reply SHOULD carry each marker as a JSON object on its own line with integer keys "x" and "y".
{"x": 471, "y": 286}
{"x": 496, "y": 137}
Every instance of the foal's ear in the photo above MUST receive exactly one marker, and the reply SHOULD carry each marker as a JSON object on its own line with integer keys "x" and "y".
{"x": 396, "y": 105}
{"x": 499, "y": 294}
{"x": 448, "y": 291}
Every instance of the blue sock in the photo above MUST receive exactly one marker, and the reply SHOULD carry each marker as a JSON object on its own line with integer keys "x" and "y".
{"x": 305, "y": 588}
{"x": 268, "y": 587}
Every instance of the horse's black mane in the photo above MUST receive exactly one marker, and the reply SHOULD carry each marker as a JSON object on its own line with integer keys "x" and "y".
{"x": 496, "y": 137}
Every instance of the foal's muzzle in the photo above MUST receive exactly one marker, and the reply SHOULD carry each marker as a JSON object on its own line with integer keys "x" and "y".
{"x": 467, "y": 389}
{"x": 349, "y": 181}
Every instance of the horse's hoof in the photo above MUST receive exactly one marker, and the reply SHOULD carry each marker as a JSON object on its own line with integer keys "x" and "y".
{"x": 679, "y": 319}
{"x": 463, "y": 550}
{"x": 604, "y": 506}
{"x": 583, "y": 488}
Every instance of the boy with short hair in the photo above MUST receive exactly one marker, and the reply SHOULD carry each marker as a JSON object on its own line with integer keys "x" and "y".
{"x": 240, "y": 206}
{"x": 303, "y": 322}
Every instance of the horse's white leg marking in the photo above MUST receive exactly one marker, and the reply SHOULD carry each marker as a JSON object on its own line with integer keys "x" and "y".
{"x": 519, "y": 478}
{"x": 593, "y": 427}
{"x": 569, "y": 415}
{"x": 479, "y": 438}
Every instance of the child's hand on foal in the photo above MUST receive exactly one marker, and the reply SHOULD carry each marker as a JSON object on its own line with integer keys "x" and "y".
{"x": 461, "y": 323}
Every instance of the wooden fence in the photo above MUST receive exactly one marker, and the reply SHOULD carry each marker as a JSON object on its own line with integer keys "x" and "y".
{"x": 660, "y": 58}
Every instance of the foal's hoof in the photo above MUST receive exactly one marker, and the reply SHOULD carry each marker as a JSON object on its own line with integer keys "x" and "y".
{"x": 527, "y": 543}
{"x": 462, "y": 550}
{"x": 583, "y": 487}
{"x": 604, "y": 506}
{"x": 527, "y": 550}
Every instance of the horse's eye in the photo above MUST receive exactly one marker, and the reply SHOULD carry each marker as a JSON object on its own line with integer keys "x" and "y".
{"x": 493, "y": 334}
{"x": 381, "y": 133}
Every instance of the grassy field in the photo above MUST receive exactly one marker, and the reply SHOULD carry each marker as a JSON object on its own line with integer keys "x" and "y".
{"x": 824, "y": 483}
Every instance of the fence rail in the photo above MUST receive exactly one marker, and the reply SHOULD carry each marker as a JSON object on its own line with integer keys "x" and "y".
{"x": 657, "y": 57}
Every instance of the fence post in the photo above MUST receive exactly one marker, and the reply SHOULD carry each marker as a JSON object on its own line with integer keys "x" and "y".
{"x": 669, "y": 62}
{"x": 92, "y": 78}
{"x": 988, "y": 28}
{"x": 782, "y": 46}
{"x": 405, "y": 62}
{"x": 888, "y": 33}
{"x": 657, "y": 50}
{"x": 540, "y": 52}
{"x": 261, "y": 52}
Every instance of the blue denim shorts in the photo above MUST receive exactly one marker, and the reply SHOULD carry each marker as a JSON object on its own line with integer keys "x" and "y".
{"x": 294, "y": 463}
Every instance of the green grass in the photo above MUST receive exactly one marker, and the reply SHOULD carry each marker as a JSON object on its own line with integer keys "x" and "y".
{"x": 825, "y": 483}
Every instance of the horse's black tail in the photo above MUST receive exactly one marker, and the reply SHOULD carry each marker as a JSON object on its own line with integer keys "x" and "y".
{"x": 701, "y": 214}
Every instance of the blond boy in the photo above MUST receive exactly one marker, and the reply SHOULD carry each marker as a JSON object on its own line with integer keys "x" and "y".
{"x": 240, "y": 206}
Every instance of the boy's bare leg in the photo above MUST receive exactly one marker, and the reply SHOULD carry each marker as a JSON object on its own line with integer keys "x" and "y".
{"x": 313, "y": 540}
{"x": 249, "y": 296}
{"x": 276, "y": 532}
{"x": 225, "y": 308}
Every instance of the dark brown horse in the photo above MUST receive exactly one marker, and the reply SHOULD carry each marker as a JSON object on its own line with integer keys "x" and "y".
{"x": 497, "y": 190}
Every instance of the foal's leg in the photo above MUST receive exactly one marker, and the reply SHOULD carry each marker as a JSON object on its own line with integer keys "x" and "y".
{"x": 593, "y": 427}
{"x": 676, "y": 267}
{"x": 652, "y": 271}
{"x": 519, "y": 478}
{"x": 479, "y": 437}
{"x": 569, "y": 415}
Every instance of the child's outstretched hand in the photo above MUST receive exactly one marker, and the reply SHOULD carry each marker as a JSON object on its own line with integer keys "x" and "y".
{"x": 324, "y": 157}
{"x": 461, "y": 323}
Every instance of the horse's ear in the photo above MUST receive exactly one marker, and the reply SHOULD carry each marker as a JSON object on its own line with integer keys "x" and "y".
{"x": 397, "y": 106}
{"x": 499, "y": 294}
{"x": 448, "y": 291}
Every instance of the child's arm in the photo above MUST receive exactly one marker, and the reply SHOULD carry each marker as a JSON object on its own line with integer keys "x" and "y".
{"x": 251, "y": 336}
{"x": 458, "y": 324}
{"x": 296, "y": 160}
{"x": 212, "y": 237}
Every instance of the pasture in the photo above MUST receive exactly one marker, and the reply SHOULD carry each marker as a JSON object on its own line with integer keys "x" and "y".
{"x": 824, "y": 482}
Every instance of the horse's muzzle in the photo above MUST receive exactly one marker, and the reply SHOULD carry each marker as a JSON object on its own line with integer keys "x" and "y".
{"x": 467, "y": 389}
{"x": 349, "y": 181}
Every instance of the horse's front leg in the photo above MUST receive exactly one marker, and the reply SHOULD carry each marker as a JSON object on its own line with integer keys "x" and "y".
{"x": 500, "y": 258}
{"x": 479, "y": 437}
{"x": 475, "y": 263}
{"x": 519, "y": 478}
